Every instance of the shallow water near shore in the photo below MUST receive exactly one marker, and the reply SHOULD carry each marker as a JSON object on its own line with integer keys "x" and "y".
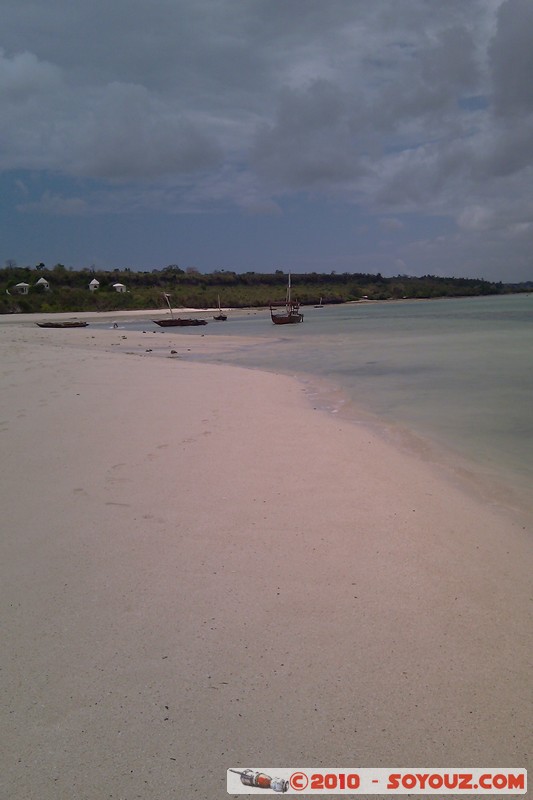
{"x": 453, "y": 372}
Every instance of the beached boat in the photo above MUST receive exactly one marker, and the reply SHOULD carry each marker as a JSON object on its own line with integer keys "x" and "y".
{"x": 177, "y": 322}
{"x": 67, "y": 323}
{"x": 320, "y": 305}
{"x": 291, "y": 310}
{"x": 220, "y": 317}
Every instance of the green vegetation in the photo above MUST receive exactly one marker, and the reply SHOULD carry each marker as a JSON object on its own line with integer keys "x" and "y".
{"x": 69, "y": 289}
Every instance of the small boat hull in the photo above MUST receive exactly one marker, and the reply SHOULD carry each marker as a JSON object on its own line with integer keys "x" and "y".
{"x": 65, "y": 324}
{"x": 287, "y": 319}
{"x": 176, "y": 322}
{"x": 179, "y": 323}
{"x": 290, "y": 315}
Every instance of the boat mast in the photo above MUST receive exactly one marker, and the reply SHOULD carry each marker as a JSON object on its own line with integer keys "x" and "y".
{"x": 166, "y": 296}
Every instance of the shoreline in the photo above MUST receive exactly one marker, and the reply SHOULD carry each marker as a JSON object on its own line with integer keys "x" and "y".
{"x": 499, "y": 487}
{"x": 134, "y": 313}
{"x": 101, "y": 315}
{"x": 201, "y": 570}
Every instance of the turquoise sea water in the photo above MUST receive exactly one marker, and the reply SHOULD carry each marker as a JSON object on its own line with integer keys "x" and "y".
{"x": 457, "y": 373}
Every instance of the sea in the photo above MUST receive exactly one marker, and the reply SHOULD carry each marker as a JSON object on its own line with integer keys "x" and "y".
{"x": 450, "y": 379}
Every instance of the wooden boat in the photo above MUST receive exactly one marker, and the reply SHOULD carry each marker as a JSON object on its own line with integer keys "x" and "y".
{"x": 220, "y": 317}
{"x": 68, "y": 323}
{"x": 320, "y": 305}
{"x": 291, "y": 310}
{"x": 177, "y": 322}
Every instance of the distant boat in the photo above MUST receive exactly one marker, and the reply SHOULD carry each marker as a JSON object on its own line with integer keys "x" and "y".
{"x": 176, "y": 322}
{"x": 291, "y": 310}
{"x": 67, "y": 323}
{"x": 220, "y": 317}
{"x": 320, "y": 305}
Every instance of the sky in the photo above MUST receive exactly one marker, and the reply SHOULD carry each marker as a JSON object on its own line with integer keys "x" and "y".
{"x": 391, "y": 136}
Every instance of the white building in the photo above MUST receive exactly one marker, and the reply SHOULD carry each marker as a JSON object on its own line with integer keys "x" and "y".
{"x": 119, "y": 287}
{"x": 44, "y": 283}
{"x": 22, "y": 288}
{"x": 94, "y": 284}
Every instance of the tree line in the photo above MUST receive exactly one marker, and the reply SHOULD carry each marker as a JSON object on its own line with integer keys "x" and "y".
{"x": 69, "y": 288}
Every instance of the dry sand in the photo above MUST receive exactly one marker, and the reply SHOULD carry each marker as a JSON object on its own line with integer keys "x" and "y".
{"x": 199, "y": 571}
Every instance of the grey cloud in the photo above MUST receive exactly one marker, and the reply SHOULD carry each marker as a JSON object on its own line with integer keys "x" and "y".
{"x": 124, "y": 133}
{"x": 119, "y": 131}
{"x": 509, "y": 150}
{"x": 31, "y": 97}
{"x": 312, "y": 140}
{"x": 476, "y": 218}
{"x": 24, "y": 76}
{"x": 440, "y": 70}
{"x": 55, "y": 204}
{"x": 511, "y": 56}
{"x": 391, "y": 224}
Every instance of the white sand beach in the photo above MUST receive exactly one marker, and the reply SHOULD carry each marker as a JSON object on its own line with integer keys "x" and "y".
{"x": 200, "y": 570}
